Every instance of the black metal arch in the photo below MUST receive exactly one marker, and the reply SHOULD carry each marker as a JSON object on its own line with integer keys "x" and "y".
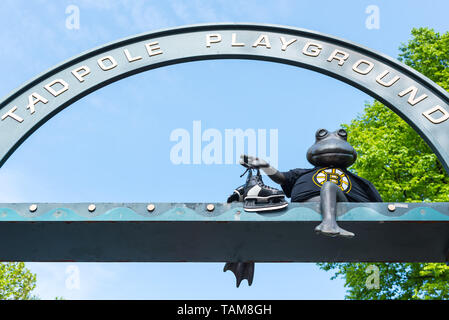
{"x": 418, "y": 100}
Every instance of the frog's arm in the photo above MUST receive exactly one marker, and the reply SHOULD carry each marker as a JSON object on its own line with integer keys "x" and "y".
{"x": 274, "y": 174}
{"x": 255, "y": 162}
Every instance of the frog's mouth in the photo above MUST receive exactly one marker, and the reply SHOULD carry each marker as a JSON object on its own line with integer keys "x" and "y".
{"x": 334, "y": 153}
{"x": 326, "y": 152}
{"x": 337, "y": 157}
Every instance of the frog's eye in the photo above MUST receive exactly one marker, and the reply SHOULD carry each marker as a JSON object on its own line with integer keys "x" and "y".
{"x": 321, "y": 133}
{"x": 342, "y": 133}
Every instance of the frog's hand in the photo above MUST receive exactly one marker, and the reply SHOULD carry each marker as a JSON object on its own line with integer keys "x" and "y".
{"x": 246, "y": 160}
{"x": 253, "y": 162}
{"x": 241, "y": 270}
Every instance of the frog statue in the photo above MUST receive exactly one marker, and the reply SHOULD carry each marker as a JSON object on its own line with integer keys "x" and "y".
{"x": 328, "y": 182}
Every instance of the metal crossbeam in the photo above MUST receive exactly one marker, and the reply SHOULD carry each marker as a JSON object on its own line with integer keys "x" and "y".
{"x": 199, "y": 232}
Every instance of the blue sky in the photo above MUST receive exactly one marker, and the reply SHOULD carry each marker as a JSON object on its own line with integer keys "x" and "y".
{"x": 114, "y": 145}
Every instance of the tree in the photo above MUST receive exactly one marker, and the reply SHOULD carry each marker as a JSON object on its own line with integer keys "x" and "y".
{"x": 16, "y": 281}
{"x": 404, "y": 169}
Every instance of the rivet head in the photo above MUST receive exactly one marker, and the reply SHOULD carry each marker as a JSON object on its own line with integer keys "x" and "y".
{"x": 33, "y": 208}
{"x": 91, "y": 208}
{"x": 391, "y": 207}
{"x": 151, "y": 207}
{"x": 210, "y": 207}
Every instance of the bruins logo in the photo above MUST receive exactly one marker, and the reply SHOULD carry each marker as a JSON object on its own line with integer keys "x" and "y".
{"x": 334, "y": 175}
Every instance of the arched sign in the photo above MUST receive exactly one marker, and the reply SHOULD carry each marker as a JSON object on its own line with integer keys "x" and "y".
{"x": 418, "y": 100}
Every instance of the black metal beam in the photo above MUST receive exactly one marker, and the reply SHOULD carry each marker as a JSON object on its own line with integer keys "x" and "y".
{"x": 192, "y": 233}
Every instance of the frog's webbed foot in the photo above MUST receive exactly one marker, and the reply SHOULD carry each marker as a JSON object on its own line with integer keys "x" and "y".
{"x": 241, "y": 270}
{"x": 332, "y": 230}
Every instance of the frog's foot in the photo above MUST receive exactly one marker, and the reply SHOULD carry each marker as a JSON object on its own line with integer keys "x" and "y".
{"x": 332, "y": 230}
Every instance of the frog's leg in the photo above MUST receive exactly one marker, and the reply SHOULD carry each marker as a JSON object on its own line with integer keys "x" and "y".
{"x": 331, "y": 194}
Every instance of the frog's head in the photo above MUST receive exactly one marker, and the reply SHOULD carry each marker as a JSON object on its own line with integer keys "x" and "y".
{"x": 331, "y": 149}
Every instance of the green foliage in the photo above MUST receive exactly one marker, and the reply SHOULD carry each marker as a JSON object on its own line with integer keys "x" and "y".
{"x": 395, "y": 158}
{"x": 16, "y": 281}
{"x": 428, "y": 53}
{"x": 404, "y": 169}
{"x": 401, "y": 281}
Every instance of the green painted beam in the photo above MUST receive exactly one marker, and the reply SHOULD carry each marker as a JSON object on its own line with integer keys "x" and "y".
{"x": 175, "y": 232}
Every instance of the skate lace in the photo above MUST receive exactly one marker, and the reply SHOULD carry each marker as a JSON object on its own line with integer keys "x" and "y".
{"x": 247, "y": 169}
{"x": 263, "y": 185}
{"x": 259, "y": 179}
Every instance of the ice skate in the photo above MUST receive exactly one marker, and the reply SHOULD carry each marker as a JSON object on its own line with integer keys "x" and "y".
{"x": 237, "y": 195}
{"x": 259, "y": 197}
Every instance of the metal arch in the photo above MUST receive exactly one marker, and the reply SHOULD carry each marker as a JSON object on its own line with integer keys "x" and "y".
{"x": 188, "y": 43}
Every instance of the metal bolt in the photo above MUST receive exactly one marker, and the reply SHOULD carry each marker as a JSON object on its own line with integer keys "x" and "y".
{"x": 33, "y": 208}
{"x": 237, "y": 215}
{"x": 391, "y": 207}
{"x": 151, "y": 207}
{"x": 210, "y": 207}
{"x": 91, "y": 208}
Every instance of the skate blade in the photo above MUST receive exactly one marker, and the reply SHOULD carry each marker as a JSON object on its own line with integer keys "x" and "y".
{"x": 264, "y": 209}
{"x": 265, "y": 199}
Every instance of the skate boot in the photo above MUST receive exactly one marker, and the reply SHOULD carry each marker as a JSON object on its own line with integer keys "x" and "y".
{"x": 259, "y": 197}
{"x": 237, "y": 196}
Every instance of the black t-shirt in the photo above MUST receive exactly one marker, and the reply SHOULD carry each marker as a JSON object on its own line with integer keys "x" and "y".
{"x": 303, "y": 184}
